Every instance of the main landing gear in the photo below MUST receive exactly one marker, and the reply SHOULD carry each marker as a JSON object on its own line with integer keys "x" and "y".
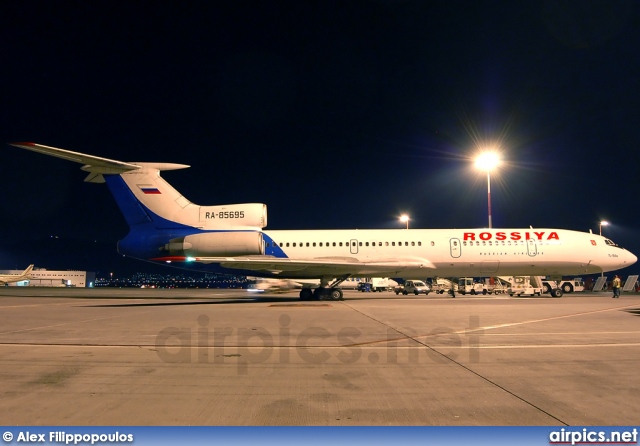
{"x": 324, "y": 291}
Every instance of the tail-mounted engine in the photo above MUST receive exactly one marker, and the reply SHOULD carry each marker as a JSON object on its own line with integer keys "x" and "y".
{"x": 217, "y": 244}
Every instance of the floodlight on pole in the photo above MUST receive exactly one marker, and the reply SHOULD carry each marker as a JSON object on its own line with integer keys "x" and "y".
{"x": 488, "y": 161}
{"x": 603, "y": 223}
{"x": 404, "y": 218}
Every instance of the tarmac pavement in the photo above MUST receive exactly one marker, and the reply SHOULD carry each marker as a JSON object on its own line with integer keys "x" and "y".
{"x": 228, "y": 357}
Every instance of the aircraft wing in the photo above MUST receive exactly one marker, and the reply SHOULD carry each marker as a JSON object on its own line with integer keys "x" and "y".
{"x": 319, "y": 267}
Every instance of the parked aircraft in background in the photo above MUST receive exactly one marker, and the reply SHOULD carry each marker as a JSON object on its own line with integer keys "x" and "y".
{"x": 10, "y": 278}
{"x": 166, "y": 227}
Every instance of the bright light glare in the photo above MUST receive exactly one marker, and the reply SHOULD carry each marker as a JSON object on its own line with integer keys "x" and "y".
{"x": 404, "y": 218}
{"x": 604, "y": 223}
{"x": 487, "y": 161}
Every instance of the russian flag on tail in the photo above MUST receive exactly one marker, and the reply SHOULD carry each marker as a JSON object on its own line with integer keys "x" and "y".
{"x": 149, "y": 189}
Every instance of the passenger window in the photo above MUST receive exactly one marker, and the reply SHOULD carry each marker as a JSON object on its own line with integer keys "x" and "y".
{"x": 294, "y": 245}
{"x": 314, "y": 244}
{"x": 419, "y": 243}
{"x": 413, "y": 243}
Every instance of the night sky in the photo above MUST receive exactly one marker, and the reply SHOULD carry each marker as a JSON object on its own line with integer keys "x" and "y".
{"x": 336, "y": 114}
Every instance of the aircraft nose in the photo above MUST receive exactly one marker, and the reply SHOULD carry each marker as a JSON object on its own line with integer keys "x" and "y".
{"x": 632, "y": 259}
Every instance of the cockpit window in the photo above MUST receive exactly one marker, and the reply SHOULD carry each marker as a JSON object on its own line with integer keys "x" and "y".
{"x": 609, "y": 242}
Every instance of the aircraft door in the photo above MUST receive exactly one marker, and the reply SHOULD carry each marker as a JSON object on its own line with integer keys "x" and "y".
{"x": 454, "y": 245}
{"x": 532, "y": 248}
{"x": 353, "y": 246}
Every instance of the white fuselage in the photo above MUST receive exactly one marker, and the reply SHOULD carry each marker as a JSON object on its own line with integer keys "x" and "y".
{"x": 453, "y": 252}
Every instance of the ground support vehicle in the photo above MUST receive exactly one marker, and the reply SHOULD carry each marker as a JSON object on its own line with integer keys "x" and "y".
{"x": 566, "y": 285}
{"x": 413, "y": 287}
{"x": 441, "y": 286}
{"x": 500, "y": 286}
{"x": 468, "y": 285}
{"x": 375, "y": 284}
{"x": 525, "y": 285}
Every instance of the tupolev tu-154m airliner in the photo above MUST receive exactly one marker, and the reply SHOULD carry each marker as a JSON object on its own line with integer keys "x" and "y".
{"x": 166, "y": 227}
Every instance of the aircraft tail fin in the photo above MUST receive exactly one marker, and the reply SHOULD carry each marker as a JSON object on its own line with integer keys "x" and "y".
{"x": 27, "y": 271}
{"x": 144, "y": 197}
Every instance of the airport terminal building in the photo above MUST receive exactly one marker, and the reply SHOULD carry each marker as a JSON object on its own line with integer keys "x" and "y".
{"x": 49, "y": 278}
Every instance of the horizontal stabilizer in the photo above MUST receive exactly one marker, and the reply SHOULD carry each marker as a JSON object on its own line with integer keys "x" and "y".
{"x": 92, "y": 163}
{"x": 97, "y": 166}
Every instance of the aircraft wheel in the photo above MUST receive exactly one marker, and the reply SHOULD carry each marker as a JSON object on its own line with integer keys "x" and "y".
{"x": 336, "y": 294}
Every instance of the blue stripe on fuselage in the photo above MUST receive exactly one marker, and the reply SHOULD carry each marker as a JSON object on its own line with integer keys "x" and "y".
{"x": 271, "y": 247}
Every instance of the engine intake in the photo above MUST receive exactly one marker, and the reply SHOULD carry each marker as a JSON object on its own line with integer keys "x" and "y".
{"x": 217, "y": 244}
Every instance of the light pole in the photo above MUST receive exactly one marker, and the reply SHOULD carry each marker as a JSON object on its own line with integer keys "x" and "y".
{"x": 488, "y": 161}
{"x": 404, "y": 218}
{"x": 603, "y": 223}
